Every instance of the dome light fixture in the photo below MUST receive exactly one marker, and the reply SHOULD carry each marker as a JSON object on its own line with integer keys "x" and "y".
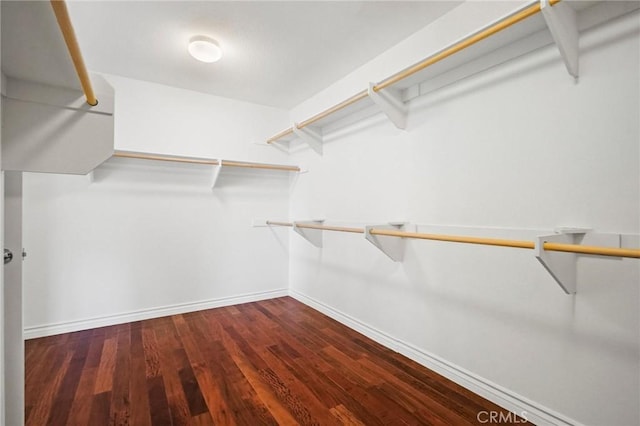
{"x": 205, "y": 49}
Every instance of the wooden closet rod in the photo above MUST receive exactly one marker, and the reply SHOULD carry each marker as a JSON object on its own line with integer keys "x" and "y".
{"x": 280, "y": 135}
{"x": 330, "y": 228}
{"x": 212, "y": 162}
{"x": 64, "y": 22}
{"x": 464, "y": 43}
{"x": 317, "y": 226}
{"x": 261, "y": 166}
{"x": 601, "y": 251}
{"x": 275, "y": 223}
{"x": 569, "y": 248}
{"x": 456, "y": 239}
{"x": 437, "y": 57}
{"x": 125, "y": 154}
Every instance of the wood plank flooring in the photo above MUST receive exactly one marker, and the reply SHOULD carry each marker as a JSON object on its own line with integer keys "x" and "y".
{"x": 270, "y": 362}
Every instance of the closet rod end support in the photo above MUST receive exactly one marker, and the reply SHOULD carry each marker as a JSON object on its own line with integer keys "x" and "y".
{"x": 561, "y": 266}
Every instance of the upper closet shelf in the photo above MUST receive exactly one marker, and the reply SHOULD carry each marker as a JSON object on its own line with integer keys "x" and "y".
{"x": 218, "y": 164}
{"x": 55, "y": 129}
{"x": 539, "y": 24}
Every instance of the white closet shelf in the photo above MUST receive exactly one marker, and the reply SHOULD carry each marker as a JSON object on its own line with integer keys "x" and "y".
{"x": 217, "y": 164}
{"x": 556, "y": 252}
{"x": 207, "y": 161}
{"x": 498, "y": 42}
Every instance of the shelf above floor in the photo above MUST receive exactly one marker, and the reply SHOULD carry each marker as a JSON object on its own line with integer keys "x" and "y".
{"x": 537, "y": 25}
{"x": 217, "y": 164}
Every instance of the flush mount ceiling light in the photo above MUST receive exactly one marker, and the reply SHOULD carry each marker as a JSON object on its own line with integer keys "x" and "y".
{"x": 204, "y": 49}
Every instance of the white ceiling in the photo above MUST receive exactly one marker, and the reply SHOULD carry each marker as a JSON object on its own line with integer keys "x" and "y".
{"x": 276, "y": 53}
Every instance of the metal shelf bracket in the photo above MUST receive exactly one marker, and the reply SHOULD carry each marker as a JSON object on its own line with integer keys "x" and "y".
{"x": 314, "y": 236}
{"x": 390, "y": 104}
{"x": 561, "y": 21}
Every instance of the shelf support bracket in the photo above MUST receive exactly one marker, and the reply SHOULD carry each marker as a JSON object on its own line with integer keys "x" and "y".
{"x": 562, "y": 266}
{"x": 216, "y": 173}
{"x": 561, "y": 21}
{"x": 391, "y": 105}
{"x": 282, "y": 146}
{"x": 314, "y": 236}
{"x": 393, "y": 247}
{"x": 310, "y": 135}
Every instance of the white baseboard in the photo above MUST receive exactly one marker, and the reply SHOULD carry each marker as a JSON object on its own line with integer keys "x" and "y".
{"x": 142, "y": 314}
{"x": 507, "y": 399}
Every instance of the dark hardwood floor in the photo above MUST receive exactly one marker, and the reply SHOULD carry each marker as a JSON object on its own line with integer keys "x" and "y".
{"x": 271, "y": 362}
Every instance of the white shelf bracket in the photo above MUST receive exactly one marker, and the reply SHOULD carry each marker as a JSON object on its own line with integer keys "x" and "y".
{"x": 294, "y": 179}
{"x": 391, "y": 246}
{"x": 310, "y": 135}
{"x": 562, "y": 266}
{"x": 279, "y": 145}
{"x": 216, "y": 173}
{"x": 561, "y": 20}
{"x": 314, "y": 236}
{"x": 391, "y": 105}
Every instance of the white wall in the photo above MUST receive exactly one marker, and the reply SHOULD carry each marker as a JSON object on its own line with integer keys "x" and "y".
{"x": 512, "y": 152}
{"x": 138, "y": 235}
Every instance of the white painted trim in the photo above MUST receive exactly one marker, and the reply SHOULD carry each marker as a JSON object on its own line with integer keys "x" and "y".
{"x": 509, "y": 400}
{"x": 143, "y": 314}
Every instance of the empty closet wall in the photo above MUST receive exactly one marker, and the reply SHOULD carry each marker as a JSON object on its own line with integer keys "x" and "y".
{"x": 513, "y": 152}
{"x": 144, "y": 238}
